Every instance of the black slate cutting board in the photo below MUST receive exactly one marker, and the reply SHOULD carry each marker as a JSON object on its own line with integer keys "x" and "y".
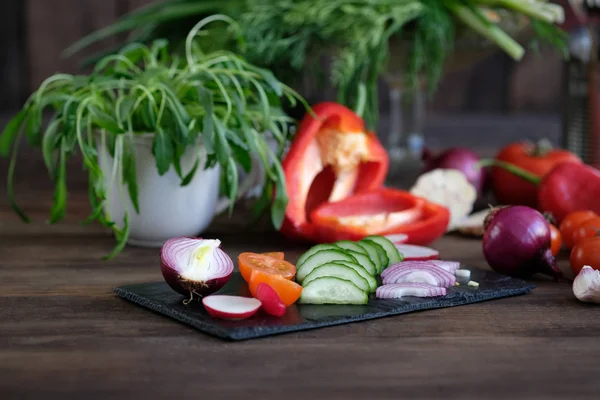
{"x": 160, "y": 298}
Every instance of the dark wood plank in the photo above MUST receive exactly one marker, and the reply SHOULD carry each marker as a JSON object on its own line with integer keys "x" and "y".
{"x": 52, "y": 26}
{"x": 13, "y": 68}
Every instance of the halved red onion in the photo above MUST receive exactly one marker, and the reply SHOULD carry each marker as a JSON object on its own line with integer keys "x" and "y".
{"x": 195, "y": 266}
{"x": 416, "y": 273}
{"x": 449, "y": 266}
{"x": 399, "y": 290}
{"x": 417, "y": 253}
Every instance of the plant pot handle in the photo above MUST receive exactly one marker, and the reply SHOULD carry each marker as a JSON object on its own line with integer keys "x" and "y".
{"x": 247, "y": 184}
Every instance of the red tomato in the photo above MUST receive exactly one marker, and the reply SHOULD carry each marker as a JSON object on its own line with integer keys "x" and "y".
{"x": 556, "y": 239}
{"x": 571, "y": 222}
{"x": 509, "y": 188}
{"x": 587, "y": 229}
{"x": 586, "y": 252}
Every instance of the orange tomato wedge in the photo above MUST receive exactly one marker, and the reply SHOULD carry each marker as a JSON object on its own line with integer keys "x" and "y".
{"x": 288, "y": 291}
{"x": 280, "y": 255}
{"x": 249, "y": 262}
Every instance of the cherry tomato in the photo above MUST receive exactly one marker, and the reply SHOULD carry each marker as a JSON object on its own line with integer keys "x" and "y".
{"x": 249, "y": 262}
{"x": 556, "y": 239}
{"x": 288, "y": 291}
{"x": 570, "y": 223}
{"x": 280, "y": 255}
{"x": 587, "y": 229}
{"x": 586, "y": 252}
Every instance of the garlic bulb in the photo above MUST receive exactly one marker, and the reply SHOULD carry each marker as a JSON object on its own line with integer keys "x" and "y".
{"x": 586, "y": 286}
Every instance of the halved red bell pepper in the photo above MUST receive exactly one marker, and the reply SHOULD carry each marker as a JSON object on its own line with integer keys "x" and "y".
{"x": 331, "y": 158}
{"x": 382, "y": 211}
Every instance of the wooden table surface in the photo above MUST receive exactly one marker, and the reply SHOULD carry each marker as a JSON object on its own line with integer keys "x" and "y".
{"x": 64, "y": 334}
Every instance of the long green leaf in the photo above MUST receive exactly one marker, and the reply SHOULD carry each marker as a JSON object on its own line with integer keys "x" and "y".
{"x": 163, "y": 151}
{"x": 11, "y": 131}
{"x": 10, "y": 183}
{"x": 60, "y": 191}
{"x": 130, "y": 174}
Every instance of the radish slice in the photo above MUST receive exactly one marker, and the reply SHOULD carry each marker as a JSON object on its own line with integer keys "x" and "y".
{"x": 270, "y": 300}
{"x": 413, "y": 252}
{"x": 449, "y": 188}
{"x": 230, "y": 307}
{"x": 416, "y": 273}
{"x": 448, "y": 266}
{"x": 397, "y": 238}
{"x": 399, "y": 290}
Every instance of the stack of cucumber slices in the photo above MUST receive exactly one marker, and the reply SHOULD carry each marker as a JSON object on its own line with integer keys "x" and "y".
{"x": 344, "y": 272}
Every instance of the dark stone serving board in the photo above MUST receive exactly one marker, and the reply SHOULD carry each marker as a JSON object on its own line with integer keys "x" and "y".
{"x": 160, "y": 298}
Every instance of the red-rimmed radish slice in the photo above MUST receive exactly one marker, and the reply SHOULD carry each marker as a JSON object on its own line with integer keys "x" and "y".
{"x": 271, "y": 302}
{"x": 412, "y": 252}
{"x": 195, "y": 266}
{"x": 230, "y": 307}
{"x": 397, "y": 238}
{"x": 399, "y": 290}
{"x": 412, "y": 272}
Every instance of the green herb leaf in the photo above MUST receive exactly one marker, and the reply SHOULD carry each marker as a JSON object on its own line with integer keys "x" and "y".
{"x": 243, "y": 157}
{"x": 105, "y": 121}
{"x": 11, "y": 131}
{"x": 10, "y": 184}
{"x": 60, "y": 191}
{"x": 49, "y": 144}
{"x": 281, "y": 200}
{"x": 122, "y": 235}
{"x": 222, "y": 147}
{"x": 190, "y": 175}
{"x": 231, "y": 174}
{"x": 130, "y": 174}
{"x": 163, "y": 151}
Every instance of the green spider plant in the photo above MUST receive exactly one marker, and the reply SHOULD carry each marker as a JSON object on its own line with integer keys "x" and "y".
{"x": 216, "y": 97}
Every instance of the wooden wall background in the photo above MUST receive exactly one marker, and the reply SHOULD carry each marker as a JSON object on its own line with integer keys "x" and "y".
{"x": 35, "y": 32}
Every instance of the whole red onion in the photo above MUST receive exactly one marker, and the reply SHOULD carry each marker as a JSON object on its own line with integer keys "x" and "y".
{"x": 461, "y": 159}
{"x": 516, "y": 242}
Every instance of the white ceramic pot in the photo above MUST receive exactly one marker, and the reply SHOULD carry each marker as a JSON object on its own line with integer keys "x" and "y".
{"x": 166, "y": 208}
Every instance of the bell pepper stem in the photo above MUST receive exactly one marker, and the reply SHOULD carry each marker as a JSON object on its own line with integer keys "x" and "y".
{"x": 520, "y": 172}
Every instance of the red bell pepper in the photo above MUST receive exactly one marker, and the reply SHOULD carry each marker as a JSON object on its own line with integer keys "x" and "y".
{"x": 568, "y": 187}
{"x": 381, "y": 212}
{"x": 331, "y": 157}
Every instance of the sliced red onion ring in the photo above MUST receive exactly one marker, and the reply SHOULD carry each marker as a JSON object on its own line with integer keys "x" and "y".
{"x": 448, "y": 266}
{"x": 418, "y": 253}
{"x": 195, "y": 266}
{"x": 399, "y": 290}
{"x": 411, "y": 273}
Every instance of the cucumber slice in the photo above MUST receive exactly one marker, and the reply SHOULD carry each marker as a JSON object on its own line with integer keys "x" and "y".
{"x": 371, "y": 248}
{"x": 383, "y": 258}
{"x": 338, "y": 271}
{"x": 362, "y": 272}
{"x": 394, "y": 256}
{"x": 364, "y": 261}
{"x": 313, "y": 250}
{"x": 328, "y": 290}
{"x": 319, "y": 258}
{"x": 348, "y": 245}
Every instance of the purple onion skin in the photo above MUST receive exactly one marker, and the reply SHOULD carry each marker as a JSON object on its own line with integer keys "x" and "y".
{"x": 185, "y": 287}
{"x": 516, "y": 242}
{"x": 461, "y": 159}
